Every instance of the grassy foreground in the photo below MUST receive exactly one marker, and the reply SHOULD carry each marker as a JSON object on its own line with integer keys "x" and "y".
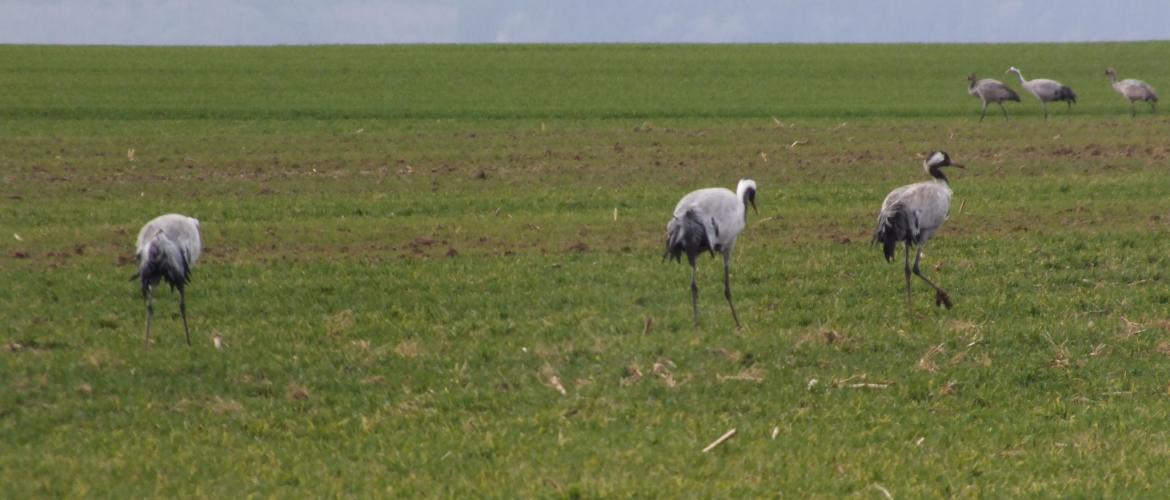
{"x": 437, "y": 272}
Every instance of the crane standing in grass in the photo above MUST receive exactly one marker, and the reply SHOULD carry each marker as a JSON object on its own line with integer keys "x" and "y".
{"x": 989, "y": 90}
{"x": 1046, "y": 90}
{"x": 709, "y": 220}
{"x": 1134, "y": 90}
{"x": 911, "y": 214}
{"x": 167, "y": 248}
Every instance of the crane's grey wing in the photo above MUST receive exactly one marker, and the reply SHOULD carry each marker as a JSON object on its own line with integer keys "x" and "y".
{"x": 992, "y": 90}
{"x": 1045, "y": 87}
{"x": 998, "y": 92}
{"x": 173, "y": 241}
{"x": 1052, "y": 90}
{"x": 708, "y": 207}
{"x": 915, "y": 211}
{"x": 189, "y": 240}
{"x": 1138, "y": 90}
{"x": 894, "y": 196}
{"x": 1146, "y": 91}
{"x": 929, "y": 206}
{"x": 183, "y": 231}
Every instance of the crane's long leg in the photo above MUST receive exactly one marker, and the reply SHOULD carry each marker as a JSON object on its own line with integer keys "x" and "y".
{"x": 727, "y": 285}
{"x": 183, "y": 312}
{"x": 1045, "y": 106}
{"x": 1152, "y": 108}
{"x": 941, "y": 297}
{"x": 694, "y": 293}
{"x": 149, "y": 317}
{"x": 1001, "y": 108}
{"x": 984, "y": 113}
{"x": 1132, "y": 110}
{"x": 909, "y": 308}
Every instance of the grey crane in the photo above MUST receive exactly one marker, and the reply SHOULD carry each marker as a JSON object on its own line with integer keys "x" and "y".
{"x": 988, "y": 91}
{"x": 709, "y": 220}
{"x": 1134, "y": 90}
{"x": 1046, "y": 90}
{"x": 912, "y": 214}
{"x": 167, "y": 248}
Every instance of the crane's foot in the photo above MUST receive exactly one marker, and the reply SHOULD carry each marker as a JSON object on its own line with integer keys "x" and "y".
{"x": 942, "y": 299}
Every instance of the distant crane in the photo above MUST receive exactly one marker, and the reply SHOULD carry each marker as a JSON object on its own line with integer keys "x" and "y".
{"x": 911, "y": 214}
{"x": 1134, "y": 90}
{"x": 167, "y": 248}
{"x": 1046, "y": 90}
{"x": 989, "y": 90}
{"x": 709, "y": 220}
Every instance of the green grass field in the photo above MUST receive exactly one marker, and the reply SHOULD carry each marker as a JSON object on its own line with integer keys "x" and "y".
{"x": 434, "y": 266}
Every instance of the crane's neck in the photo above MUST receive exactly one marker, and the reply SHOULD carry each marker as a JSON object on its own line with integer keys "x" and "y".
{"x": 1021, "y": 77}
{"x": 744, "y": 207}
{"x": 746, "y": 192}
{"x": 1112, "y": 78}
{"x": 938, "y": 174}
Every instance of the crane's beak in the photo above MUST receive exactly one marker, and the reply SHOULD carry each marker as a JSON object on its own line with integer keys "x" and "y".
{"x": 756, "y": 210}
{"x": 959, "y": 165}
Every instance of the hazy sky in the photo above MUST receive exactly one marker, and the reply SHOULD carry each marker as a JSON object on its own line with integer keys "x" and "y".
{"x": 268, "y": 22}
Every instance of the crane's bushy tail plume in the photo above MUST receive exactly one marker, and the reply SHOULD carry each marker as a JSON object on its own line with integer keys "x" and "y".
{"x": 893, "y": 227}
{"x": 163, "y": 261}
{"x": 1011, "y": 95}
{"x": 1066, "y": 94}
{"x": 686, "y": 235}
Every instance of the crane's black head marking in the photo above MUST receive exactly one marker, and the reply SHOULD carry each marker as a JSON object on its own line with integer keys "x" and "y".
{"x": 935, "y": 161}
{"x": 747, "y": 192}
{"x": 940, "y": 159}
